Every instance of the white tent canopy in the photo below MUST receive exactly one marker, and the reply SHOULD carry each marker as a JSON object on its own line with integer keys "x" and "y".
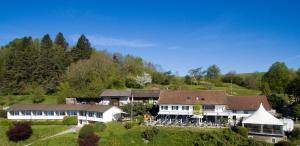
{"x": 262, "y": 117}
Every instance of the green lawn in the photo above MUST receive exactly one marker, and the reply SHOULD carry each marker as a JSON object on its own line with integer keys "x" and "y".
{"x": 116, "y": 135}
{"x": 39, "y": 132}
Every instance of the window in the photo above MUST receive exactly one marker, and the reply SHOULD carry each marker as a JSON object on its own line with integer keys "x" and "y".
{"x": 185, "y": 108}
{"x": 16, "y": 113}
{"x": 22, "y": 113}
{"x": 245, "y": 112}
{"x": 209, "y": 107}
{"x": 27, "y": 113}
{"x": 62, "y": 113}
{"x": 91, "y": 114}
{"x": 164, "y": 107}
{"x": 174, "y": 107}
{"x": 72, "y": 113}
{"x": 233, "y": 111}
{"x": 99, "y": 115}
{"x": 35, "y": 113}
{"x": 12, "y": 113}
{"x": 273, "y": 140}
{"x": 50, "y": 113}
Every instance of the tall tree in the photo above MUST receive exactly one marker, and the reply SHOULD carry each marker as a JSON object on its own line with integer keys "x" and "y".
{"x": 197, "y": 74}
{"x": 277, "y": 77}
{"x": 19, "y": 66}
{"x": 61, "y": 41}
{"x": 293, "y": 88}
{"x": 213, "y": 73}
{"x": 82, "y": 50}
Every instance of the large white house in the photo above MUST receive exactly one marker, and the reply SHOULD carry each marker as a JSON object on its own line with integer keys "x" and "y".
{"x": 85, "y": 113}
{"x": 177, "y": 107}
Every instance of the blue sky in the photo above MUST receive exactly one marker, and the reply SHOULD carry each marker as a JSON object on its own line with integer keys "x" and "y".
{"x": 244, "y": 36}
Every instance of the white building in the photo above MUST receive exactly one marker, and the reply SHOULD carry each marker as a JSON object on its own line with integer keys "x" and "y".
{"x": 177, "y": 107}
{"x": 85, "y": 113}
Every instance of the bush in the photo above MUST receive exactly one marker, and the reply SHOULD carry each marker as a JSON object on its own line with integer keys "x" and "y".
{"x": 149, "y": 133}
{"x": 87, "y": 136}
{"x": 139, "y": 119}
{"x": 3, "y": 114}
{"x": 85, "y": 131}
{"x": 241, "y": 130}
{"x": 283, "y": 143}
{"x": 70, "y": 120}
{"x": 100, "y": 126}
{"x": 19, "y": 131}
{"x": 295, "y": 134}
{"x": 89, "y": 140}
{"x": 128, "y": 125}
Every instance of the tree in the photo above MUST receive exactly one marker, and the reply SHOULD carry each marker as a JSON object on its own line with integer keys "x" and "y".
{"x": 87, "y": 136}
{"x": 90, "y": 76}
{"x": 293, "y": 89}
{"x": 213, "y": 73}
{"x": 19, "y": 66}
{"x": 188, "y": 80}
{"x": 232, "y": 77}
{"x": 265, "y": 88}
{"x": 277, "y": 77}
{"x": 197, "y": 74}
{"x": 61, "y": 41}
{"x": 296, "y": 110}
{"x": 82, "y": 50}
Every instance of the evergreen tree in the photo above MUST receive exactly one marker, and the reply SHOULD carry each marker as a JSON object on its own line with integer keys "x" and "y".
{"x": 82, "y": 50}
{"x": 61, "y": 41}
{"x": 19, "y": 66}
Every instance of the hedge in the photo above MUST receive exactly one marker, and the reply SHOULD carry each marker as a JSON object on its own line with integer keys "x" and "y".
{"x": 70, "y": 120}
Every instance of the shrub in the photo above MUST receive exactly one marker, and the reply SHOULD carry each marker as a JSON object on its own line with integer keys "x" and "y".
{"x": 295, "y": 134}
{"x": 100, "y": 126}
{"x": 3, "y": 114}
{"x": 19, "y": 131}
{"x": 85, "y": 131}
{"x": 89, "y": 140}
{"x": 139, "y": 119}
{"x": 128, "y": 125}
{"x": 149, "y": 133}
{"x": 283, "y": 143}
{"x": 87, "y": 136}
{"x": 70, "y": 120}
{"x": 241, "y": 130}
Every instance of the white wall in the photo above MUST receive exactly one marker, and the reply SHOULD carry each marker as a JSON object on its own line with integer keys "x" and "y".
{"x": 112, "y": 114}
{"x": 175, "y": 112}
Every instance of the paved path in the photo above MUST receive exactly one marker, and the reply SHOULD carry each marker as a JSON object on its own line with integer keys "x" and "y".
{"x": 71, "y": 130}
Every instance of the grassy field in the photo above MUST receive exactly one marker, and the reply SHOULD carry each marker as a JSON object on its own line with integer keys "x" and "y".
{"x": 39, "y": 132}
{"x": 236, "y": 89}
{"x": 24, "y": 99}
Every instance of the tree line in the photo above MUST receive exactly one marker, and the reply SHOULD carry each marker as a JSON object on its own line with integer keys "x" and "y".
{"x": 46, "y": 66}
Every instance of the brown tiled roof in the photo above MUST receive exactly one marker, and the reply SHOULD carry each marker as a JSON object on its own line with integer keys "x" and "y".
{"x": 116, "y": 93}
{"x": 192, "y": 97}
{"x": 145, "y": 93}
{"x": 59, "y": 107}
{"x": 247, "y": 102}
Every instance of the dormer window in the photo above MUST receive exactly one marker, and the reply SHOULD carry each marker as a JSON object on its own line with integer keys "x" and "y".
{"x": 188, "y": 97}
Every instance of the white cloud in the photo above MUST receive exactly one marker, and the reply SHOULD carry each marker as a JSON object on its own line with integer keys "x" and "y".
{"x": 98, "y": 40}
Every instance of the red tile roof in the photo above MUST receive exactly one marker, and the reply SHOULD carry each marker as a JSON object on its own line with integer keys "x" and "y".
{"x": 192, "y": 97}
{"x": 247, "y": 102}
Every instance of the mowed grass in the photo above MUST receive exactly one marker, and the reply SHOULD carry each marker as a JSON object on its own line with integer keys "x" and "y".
{"x": 69, "y": 139}
{"x": 116, "y": 135}
{"x": 39, "y": 132}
